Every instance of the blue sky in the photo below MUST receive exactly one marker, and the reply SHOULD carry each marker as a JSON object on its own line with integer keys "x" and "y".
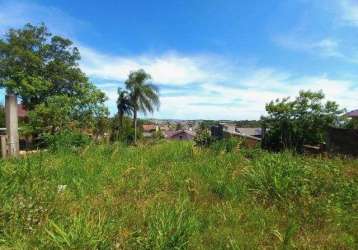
{"x": 213, "y": 59}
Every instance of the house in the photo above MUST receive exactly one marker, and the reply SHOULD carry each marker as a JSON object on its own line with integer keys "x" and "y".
{"x": 255, "y": 132}
{"x": 180, "y": 135}
{"x": 164, "y": 128}
{"x": 251, "y": 137}
{"x": 353, "y": 114}
{"x": 149, "y": 129}
{"x": 228, "y": 127}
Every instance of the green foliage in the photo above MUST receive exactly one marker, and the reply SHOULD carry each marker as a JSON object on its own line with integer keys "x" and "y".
{"x": 158, "y": 135}
{"x": 52, "y": 115}
{"x": 203, "y": 137}
{"x": 124, "y": 105}
{"x": 170, "y": 227}
{"x": 35, "y": 64}
{"x": 280, "y": 177}
{"x": 206, "y": 124}
{"x": 352, "y": 123}
{"x": 144, "y": 96}
{"x": 125, "y": 133}
{"x": 248, "y": 124}
{"x": 175, "y": 196}
{"x": 292, "y": 124}
{"x": 66, "y": 140}
{"x": 43, "y": 70}
{"x": 226, "y": 145}
{"x": 77, "y": 233}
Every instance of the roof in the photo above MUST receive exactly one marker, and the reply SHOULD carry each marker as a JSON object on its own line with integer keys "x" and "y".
{"x": 228, "y": 127}
{"x": 353, "y": 113}
{"x": 249, "y": 131}
{"x": 171, "y": 133}
{"x": 149, "y": 127}
{"x": 244, "y": 135}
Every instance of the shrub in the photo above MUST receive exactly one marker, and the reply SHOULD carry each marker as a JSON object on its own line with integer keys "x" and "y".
{"x": 125, "y": 133}
{"x": 66, "y": 140}
{"x": 203, "y": 138}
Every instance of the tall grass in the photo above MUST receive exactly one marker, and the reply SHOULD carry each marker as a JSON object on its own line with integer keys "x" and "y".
{"x": 175, "y": 196}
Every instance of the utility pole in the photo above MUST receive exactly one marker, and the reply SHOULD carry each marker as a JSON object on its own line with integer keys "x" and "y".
{"x": 12, "y": 124}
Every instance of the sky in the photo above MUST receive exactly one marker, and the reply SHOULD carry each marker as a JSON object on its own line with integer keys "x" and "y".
{"x": 212, "y": 59}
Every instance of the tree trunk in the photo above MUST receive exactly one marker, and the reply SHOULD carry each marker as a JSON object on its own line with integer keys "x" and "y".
{"x": 135, "y": 125}
{"x": 120, "y": 120}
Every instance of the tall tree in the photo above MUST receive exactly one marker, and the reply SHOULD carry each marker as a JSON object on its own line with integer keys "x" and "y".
{"x": 42, "y": 69}
{"x": 124, "y": 105}
{"x": 35, "y": 64}
{"x": 292, "y": 124}
{"x": 143, "y": 94}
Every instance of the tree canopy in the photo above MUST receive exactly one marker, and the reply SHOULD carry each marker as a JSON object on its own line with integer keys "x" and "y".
{"x": 292, "y": 124}
{"x": 124, "y": 105}
{"x": 42, "y": 69}
{"x": 144, "y": 96}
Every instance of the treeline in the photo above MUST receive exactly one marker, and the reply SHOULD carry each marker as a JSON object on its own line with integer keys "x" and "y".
{"x": 291, "y": 124}
{"x": 43, "y": 71}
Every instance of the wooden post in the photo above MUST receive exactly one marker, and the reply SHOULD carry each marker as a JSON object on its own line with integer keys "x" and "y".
{"x": 12, "y": 125}
{"x": 3, "y": 146}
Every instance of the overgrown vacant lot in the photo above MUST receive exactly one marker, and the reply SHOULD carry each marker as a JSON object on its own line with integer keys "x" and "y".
{"x": 175, "y": 196}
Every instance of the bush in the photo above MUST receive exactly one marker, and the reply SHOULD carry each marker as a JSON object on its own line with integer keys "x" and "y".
{"x": 125, "y": 134}
{"x": 292, "y": 124}
{"x": 203, "y": 138}
{"x": 66, "y": 140}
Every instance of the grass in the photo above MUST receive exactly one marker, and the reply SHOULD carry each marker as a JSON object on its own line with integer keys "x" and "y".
{"x": 175, "y": 196}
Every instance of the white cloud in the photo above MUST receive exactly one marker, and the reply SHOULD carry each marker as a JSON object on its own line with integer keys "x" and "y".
{"x": 326, "y": 47}
{"x": 222, "y": 88}
{"x": 349, "y": 11}
{"x": 230, "y": 102}
{"x": 234, "y": 92}
{"x": 227, "y": 90}
{"x": 169, "y": 68}
{"x": 15, "y": 14}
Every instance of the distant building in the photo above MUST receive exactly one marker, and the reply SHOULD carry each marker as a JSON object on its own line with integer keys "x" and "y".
{"x": 231, "y": 128}
{"x": 228, "y": 127}
{"x": 353, "y": 114}
{"x": 255, "y": 132}
{"x": 150, "y": 129}
{"x": 180, "y": 135}
{"x": 164, "y": 128}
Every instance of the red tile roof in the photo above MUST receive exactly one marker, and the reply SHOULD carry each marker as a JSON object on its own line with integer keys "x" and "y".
{"x": 149, "y": 127}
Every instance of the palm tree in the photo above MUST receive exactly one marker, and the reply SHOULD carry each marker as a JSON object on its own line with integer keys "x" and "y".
{"x": 144, "y": 95}
{"x": 124, "y": 105}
